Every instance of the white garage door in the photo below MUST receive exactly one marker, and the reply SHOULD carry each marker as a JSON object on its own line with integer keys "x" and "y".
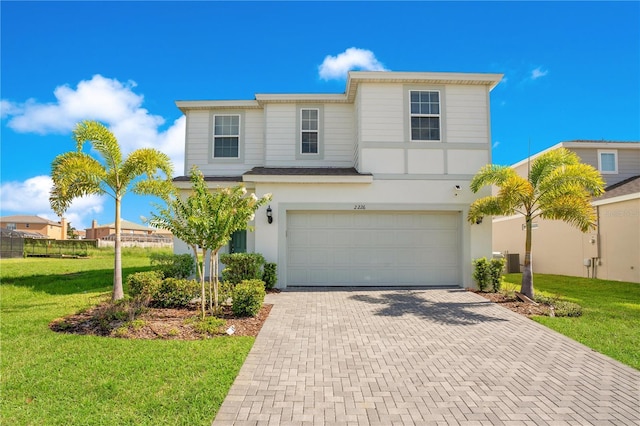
{"x": 373, "y": 248}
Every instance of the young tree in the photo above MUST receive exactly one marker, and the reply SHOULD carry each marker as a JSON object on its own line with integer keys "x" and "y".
{"x": 76, "y": 174}
{"x": 558, "y": 187}
{"x": 206, "y": 219}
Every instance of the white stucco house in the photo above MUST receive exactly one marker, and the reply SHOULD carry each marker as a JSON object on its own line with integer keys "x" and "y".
{"x": 370, "y": 186}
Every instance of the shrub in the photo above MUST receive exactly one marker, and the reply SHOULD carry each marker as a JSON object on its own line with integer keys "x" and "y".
{"x": 173, "y": 265}
{"x": 208, "y": 325}
{"x": 144, "y": 285}
{"x": 564, "y": 308}
{"x": 175, "y": 293}
{"x": 248, "y": 297}
{"x": 225, "y": 291}
{"x": 481, "y": 273}
{"x": 496, "y": 268}
{"x": 269, "y": 275}
{"x": 241, "y": 266}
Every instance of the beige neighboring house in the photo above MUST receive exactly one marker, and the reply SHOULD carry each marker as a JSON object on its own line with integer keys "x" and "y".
{"x": 97, "y": 232}
{"x": 36, "y": 225}
{"x": 370, "y": 186}
{"x": 610, "y": 252}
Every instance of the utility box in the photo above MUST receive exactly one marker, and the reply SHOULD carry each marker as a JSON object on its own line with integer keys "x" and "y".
{"x": 513, "y": 263}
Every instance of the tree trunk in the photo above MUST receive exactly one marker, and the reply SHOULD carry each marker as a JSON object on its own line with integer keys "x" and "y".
{"x": 210, "y": 279}
{"x": 527, "y": 274}
{"x": 202, "y": 283}
{"x": 215, "y": 279}
{"x": 118, "y": 291}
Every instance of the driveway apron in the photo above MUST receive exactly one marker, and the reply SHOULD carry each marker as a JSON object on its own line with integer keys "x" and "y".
{"x": 385, "y": 356}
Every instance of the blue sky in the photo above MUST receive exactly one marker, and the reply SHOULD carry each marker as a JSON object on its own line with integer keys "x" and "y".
{"x": 571, "y": 71}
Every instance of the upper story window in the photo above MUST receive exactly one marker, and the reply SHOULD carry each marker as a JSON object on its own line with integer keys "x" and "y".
{"x": 309, "y": 131}
{"x": 226, "y": 136}
{"x": 608, "y": 162}
{"x": 11, "y": 226}
{"x": 425, "y": 115}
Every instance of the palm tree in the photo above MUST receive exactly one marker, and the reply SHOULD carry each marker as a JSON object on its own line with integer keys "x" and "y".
{"x": 76, "y": 174}
{"x": 558, "y": 187}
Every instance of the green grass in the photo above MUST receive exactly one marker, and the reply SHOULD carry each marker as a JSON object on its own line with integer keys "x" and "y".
{"x": 610, "y": 321}
{"x": 56, "y": 379}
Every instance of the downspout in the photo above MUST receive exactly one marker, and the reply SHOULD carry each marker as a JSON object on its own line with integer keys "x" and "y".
{"x": 596, "y": 261}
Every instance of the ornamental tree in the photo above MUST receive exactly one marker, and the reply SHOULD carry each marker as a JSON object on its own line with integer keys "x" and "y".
{"x": 205, "y": 219}
{"x": 76, "y": 174}
{"x": 558, "y": 187}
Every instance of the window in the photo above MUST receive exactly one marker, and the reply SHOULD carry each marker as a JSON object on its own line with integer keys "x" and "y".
{"x": 226, "y": 136}
{"x": 11, "y": 226}
{"x": 309, "y": 125}
{"x": 608, "y": 162}
{"x": 425, "y": 115}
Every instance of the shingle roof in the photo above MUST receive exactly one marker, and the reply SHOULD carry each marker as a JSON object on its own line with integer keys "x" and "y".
{"x": 625, "y": 187}
{"x": 125, "y": 224}
{"x": 210, "y": 179}
{"x": 27, "y": 219}
{"x": 306, "y": 171}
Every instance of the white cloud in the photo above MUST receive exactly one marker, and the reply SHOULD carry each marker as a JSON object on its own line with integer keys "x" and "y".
{"x": 32, "y": 197}
{"x": 538, "y": 73}
{"x": 337, "y": 67}
{"x": 107, "y": 100}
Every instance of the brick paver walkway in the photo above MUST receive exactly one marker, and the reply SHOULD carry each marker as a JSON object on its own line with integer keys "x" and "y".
{"x": 420, "y": 357}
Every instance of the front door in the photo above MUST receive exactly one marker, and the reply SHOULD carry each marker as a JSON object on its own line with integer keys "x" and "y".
{"x": 238, "y": 243}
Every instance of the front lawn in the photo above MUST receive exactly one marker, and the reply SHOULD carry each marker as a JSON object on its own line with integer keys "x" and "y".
{"x": 610, "y": 321}
{"x": 59, "y": 379}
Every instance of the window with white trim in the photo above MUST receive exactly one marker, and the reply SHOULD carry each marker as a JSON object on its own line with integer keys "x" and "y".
{"x": 226, "y": 136}
{"x": 608, "y": 162}
{"x": 425, "y": 115}
{"x": 309, "y": 128}
{"x": 11, "y": 226}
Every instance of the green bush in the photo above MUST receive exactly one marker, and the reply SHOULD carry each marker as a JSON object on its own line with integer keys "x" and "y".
{"x": 241, "y": 266}
{"x": 144, "y": 285}
{"x": 564, "y": 308}
{"x": 207, "y": 326}
{"x": 496, "y": 269}
{"x": 225, "y": 291}
{"x": 481, "y": 273}
{"x": 248, "y": 297}
{"x": 270, "y": 275}
{"x": 173, "y": 265}
{"x": 175, "y": 293}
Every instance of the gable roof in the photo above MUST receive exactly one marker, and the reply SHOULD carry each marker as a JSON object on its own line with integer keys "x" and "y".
{"x": 125, "y": 224}
{"x": 583, "y": 143}
{"x": 28, "y": 219}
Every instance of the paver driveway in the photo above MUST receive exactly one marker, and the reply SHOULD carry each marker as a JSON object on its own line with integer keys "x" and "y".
{"x": 435, "y": 356}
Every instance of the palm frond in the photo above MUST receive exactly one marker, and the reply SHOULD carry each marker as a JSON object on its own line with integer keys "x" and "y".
{"x": 102, "y": 141}
{"x": 74, "y": 174}
{"x": 550, "y": 161}
{"x": 491, "y": 174}
{"x": 574, "y": 209}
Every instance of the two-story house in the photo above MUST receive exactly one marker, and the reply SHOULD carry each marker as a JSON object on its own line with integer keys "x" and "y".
{"x": 36, "y": 225}
{"x": 370, "y": 186}
{"x": 612, "y": 251}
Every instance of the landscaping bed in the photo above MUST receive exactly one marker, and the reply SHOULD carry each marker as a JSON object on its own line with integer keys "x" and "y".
{"x": 516, "y": 305}
{"x": 158, "y": 323}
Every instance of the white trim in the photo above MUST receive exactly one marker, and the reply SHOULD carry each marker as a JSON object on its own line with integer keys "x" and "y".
{"x": 213, "y": 141}
{"x": 420, "y": 115}
{"x": 615, "y": 161}
{"x": 317, "y": 131}
{"x": 617, "y": 199}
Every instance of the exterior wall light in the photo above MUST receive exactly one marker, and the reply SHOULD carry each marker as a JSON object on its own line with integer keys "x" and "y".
{"x": 269, "y": 215}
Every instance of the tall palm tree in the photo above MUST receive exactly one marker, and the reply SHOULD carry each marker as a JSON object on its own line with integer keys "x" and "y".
{"x": 558, "y": 187}
{"x": 76, "y": 174}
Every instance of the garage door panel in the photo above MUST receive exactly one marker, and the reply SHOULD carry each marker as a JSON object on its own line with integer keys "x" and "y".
{"x": 373, "y": 248}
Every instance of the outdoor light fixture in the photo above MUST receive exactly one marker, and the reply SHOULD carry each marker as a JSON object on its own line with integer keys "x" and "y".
{"x": 269, "y": 215}
{"x": 479, "y": 221}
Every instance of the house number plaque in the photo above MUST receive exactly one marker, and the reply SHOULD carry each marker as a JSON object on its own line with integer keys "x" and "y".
{"x": 359, "y": 207}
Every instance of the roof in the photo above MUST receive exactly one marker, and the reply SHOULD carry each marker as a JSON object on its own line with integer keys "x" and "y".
{"x": 125, "y": 224}
{"x": 28, "y": 219}
{"x": 210, "y": 179}
{"x": 622, "y": 188}
{"x": 355, "y": 78}
{"x": 584, "y": 143}
{"x": 305, "y": 171}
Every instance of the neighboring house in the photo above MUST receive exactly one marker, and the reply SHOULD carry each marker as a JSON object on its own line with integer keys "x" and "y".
{"x": 129, "y": 230}
{"x": 370, "y": 186}
{"x": 44, "y": 228}
{"x": 612, "y": 251}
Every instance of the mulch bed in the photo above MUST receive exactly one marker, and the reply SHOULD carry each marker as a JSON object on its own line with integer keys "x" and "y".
{"x": 511, "y": 302}
{"x": 155, "y": 323}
